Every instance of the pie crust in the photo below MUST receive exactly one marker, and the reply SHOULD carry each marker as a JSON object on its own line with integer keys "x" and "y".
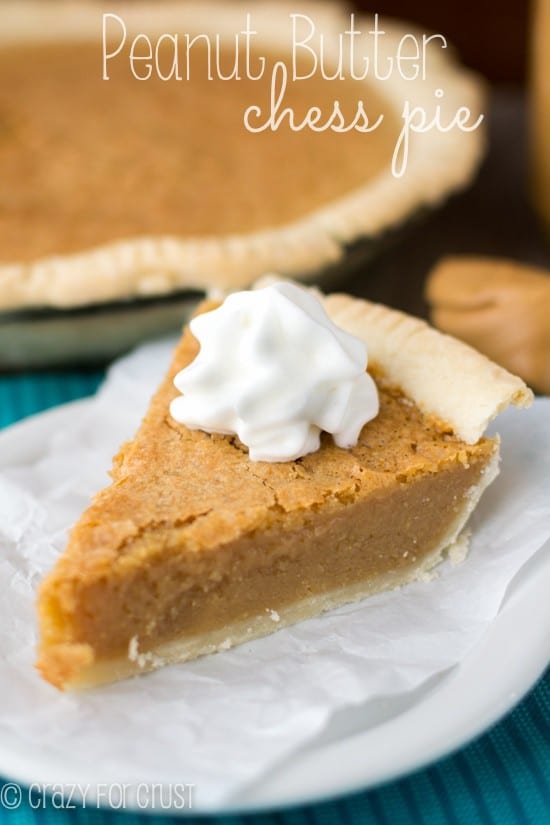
{"x": 158, "y": 264}
{"x": 193, "y": 548}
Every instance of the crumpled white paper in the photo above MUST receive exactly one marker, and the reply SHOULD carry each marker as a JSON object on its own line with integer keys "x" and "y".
{"x": 222, "y": 721}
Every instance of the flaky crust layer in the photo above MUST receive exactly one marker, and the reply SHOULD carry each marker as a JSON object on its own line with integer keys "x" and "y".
{"x": 438, "y": 164}
{"x": 443, "y": 376}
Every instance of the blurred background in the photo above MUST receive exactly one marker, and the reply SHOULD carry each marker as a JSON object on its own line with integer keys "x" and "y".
{"x": 496, "y": 215}
{"x": 505, "y": 213}
{"x": 490, "y": 36}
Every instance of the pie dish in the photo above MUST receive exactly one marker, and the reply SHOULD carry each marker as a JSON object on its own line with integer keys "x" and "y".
{"x": 121, "y": 189}
{"x": 193, "y": 548}
{"x": 92, "y": 334}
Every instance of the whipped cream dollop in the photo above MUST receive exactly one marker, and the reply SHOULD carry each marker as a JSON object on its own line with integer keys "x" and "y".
{"x": 275, "y": 371}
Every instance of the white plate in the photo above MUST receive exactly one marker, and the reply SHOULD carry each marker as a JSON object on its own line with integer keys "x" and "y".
{"x": 360, "y": 749}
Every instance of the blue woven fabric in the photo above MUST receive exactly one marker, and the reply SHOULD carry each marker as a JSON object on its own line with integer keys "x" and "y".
{"x": 503, "y": 778}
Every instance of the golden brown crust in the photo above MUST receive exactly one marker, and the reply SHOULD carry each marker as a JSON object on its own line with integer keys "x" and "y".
{"x": 445, "y": 377}
{"x": 160, "y": 264}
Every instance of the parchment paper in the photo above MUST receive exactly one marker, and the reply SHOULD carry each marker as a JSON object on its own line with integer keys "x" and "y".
{"x": 224, "y": 720}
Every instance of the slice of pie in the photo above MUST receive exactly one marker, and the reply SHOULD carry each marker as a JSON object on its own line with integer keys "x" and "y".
{"x": 193, "y": 548}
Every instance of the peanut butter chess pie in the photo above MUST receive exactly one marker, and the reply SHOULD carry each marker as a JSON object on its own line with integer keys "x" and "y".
{"x": 124, "y": 188}
{"x": 194, "y": 547}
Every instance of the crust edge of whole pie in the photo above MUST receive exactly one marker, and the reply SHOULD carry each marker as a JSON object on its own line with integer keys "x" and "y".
{"x": 160, "y": 264}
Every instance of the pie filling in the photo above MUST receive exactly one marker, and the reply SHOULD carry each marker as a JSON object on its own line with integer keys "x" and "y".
{"x": 192, "y": 538}
{"x": 85, "y": 161}
{"x": 391, "y": 531}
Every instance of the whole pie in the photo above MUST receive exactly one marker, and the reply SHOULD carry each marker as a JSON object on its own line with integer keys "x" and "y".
{"x": 194, "y": 548}
{"x": 121, "y": 188}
